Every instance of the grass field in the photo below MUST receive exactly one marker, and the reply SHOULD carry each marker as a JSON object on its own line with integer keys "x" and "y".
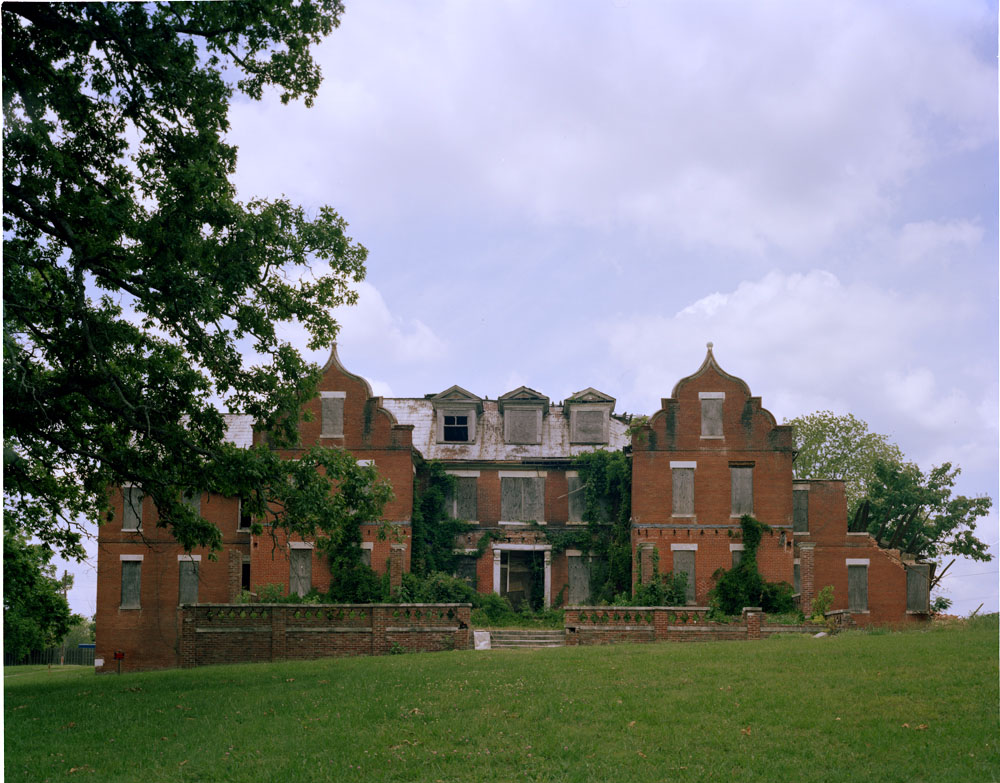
{"x": 914, "y": 706}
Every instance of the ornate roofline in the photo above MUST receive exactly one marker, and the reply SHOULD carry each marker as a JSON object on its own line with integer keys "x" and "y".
{"x": 710, "y": 364}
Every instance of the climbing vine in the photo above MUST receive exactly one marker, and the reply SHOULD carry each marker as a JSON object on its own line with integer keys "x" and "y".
{"x": 743, "y": 585}
{"x": 434, "y": 530}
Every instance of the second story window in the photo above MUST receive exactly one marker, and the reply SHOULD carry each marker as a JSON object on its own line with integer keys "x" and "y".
{"x": 456, "y": 428}
{"x": 711, "y": 413}
{"x": 742, "y": 489}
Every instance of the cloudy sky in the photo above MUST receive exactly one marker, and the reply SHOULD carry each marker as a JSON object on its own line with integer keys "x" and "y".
{"x": 572, "y": 194}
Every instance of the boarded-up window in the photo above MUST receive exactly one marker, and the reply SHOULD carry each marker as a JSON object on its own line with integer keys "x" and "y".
{"x": 918, "y": 588}
{"x": 800, "y": 511}
{"x": 455, "y": 428}
{"x": 300, "y": 578}
{"x": 711, "y": 418}
{"x": 522, "y": 426}
{"x": 797, "y": 578}
{"x": 579, "y": 580}
{"x": 577, "y": 498}
{"x": 463, "y": 502}
{"x": 684, "y": 564}
{"x": 522, "y": 499}
{"x": 131, "y": 582}
{"x": 332, "y": 417}
{"x": 588, "y": 426}
{"x": 193, "y": 501}
{"x": 742, "y": 485}
{"x": 737, "y": 555}
{"x": 683, "y": 481}
{"x": 188, "y": 578}
{"x": 366, "y": 556}
{"x": 132, "y": 516}
{"x": 857, "y": 588}
{"x": 465, "y": 568}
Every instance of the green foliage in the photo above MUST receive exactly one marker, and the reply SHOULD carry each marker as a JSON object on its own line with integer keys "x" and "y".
{"x": 433, "y": 530}
{"x": 607, "y": 479}
{"x": 35, "y": 612}
{"x": 491, "y": 609}
{"x": 840, "y": 447}
{"x": 134, "y": 280}
{"x": 940, "y": 604}
{"x": 435, "y": 588}
{"x": 822, "y": 602}
{"x": 743, "y": 586}
{"x": 667, "y": 589}
{"x": 943, "y": 525}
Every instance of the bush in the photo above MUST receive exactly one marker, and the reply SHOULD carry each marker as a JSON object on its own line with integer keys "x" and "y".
{"x": 435, "y": 588}
{"x": 822, "y": 602}
{"x": 663, "y": 590}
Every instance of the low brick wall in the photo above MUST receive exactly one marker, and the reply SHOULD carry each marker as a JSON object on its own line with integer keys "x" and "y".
{"x": 247, "y": 633}
{"x": 609, "y": 624}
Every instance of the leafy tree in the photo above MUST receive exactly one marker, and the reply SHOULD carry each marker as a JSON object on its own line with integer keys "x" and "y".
{"x": 916, "y": 512}
{"x": 35, "y": 612}
{"x": 135, "y": 281}
{"x": 840, "y": 447}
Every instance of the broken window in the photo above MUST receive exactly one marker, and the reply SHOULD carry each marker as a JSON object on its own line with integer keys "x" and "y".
{"x": 245, "y": 519}
{"x": 456, "y": 428}
{"x": 522, "y": 499}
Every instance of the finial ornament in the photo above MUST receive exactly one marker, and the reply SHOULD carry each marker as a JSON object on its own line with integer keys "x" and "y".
{"x": 709, "y": 346}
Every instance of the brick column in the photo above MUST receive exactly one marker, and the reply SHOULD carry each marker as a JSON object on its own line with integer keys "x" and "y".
{"x": 396, "y": 553}
{"x": 187, "y": 641}
{"x": 646, "y": 561}
{"x": 751, "y": 616}
{"x": 807, "y": 577}
{"x": 661, "y": 623}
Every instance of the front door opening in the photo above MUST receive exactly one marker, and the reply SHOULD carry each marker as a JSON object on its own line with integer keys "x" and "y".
{"x": 522, "y": 578}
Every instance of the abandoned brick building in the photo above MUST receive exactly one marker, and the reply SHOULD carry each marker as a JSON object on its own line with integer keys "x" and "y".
{"x": 709, "y": 455}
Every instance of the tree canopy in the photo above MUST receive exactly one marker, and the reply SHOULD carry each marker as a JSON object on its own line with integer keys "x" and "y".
{"x": 899, "y": 504}
{"x": 840, "y": 447}
{"x": 135, "y": 281}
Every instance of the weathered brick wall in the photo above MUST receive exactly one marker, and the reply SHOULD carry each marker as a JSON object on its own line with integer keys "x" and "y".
{"x": 608, "y": 625}
{"x": 266, "y": 632}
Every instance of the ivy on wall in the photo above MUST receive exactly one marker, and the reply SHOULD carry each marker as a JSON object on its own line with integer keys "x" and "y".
{"x": 743, "y": 586}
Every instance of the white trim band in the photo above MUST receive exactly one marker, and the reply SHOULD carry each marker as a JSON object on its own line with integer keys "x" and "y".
{"x": 521, "y": 474}
{"x": 683, "y": 465}
{"x": 711, "y": 395}
{"x": 463, "y": 473}
{"x": 856, "y": 561}
{"x": 188, "y": 558}
{"x": 736, "y": 547}
{"x": 300, "y": 545}
{"x": 683, "y": 547}
{"x": 335, "y": 394}
{"x": 131, "y": 558}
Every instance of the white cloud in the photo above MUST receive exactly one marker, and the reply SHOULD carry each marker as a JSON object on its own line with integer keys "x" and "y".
{"x": 937, "y": 239}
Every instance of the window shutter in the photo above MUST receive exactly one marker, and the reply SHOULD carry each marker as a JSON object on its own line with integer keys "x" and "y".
{"x": 800, "y": 511}
{"x": 534, "y": 500}
{"x": 857, "y": 588}
{"x": 711, "y": 418}
{"x": 918, "y": 593}
{"x": 188, "y": 577}
{"x": 131, "y": 583}
{"x": 683, "y": 483}
{"x": 742, "y": 490}
{"x": 579, "y": 580}
{"x": 466, "y": 498}
{"x": 333, "y": 417}
{"x": 510, "y": 499}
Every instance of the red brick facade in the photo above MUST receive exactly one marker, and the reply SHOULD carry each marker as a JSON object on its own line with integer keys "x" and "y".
{"x": 711, "y": 444}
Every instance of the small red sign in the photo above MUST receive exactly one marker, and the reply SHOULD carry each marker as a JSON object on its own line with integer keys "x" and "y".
{"x": 119, "y": 655}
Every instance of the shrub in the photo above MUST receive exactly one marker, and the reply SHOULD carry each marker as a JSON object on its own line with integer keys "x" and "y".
{"x": 436, "y": 587}
{"x": 822, "y": 602}
{"x": 743, "y": 586}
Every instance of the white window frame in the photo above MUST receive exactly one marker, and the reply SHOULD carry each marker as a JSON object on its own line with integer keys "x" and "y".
{"x": 457, "y": 410}
{"x": 682, "y": 465}
{"x": 332, "y": 433}
{"x": 702, "y": 396}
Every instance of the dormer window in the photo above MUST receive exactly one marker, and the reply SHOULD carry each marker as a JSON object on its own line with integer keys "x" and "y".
{"x": 589, "y": 414}
{"x": 523, "y": 411}
{"x": 456, "y": 412}
{"x": 456, "y": 428}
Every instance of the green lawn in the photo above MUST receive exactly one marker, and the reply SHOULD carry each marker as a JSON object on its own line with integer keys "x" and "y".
{"x": 914, "y": 706}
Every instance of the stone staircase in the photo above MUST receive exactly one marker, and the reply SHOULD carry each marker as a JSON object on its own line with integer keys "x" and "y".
{"x": 512, "y": 638}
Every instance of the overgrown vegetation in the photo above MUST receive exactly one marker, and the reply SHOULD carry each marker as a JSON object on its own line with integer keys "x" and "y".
{"x": 667, "y": 589}
{"x": 743, "y": 586}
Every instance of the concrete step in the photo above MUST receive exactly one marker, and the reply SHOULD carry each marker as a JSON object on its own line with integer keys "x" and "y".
{"x": 526, "y": 638}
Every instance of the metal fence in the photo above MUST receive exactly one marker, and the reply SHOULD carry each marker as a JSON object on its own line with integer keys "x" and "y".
{"x": 54, "y": 656}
